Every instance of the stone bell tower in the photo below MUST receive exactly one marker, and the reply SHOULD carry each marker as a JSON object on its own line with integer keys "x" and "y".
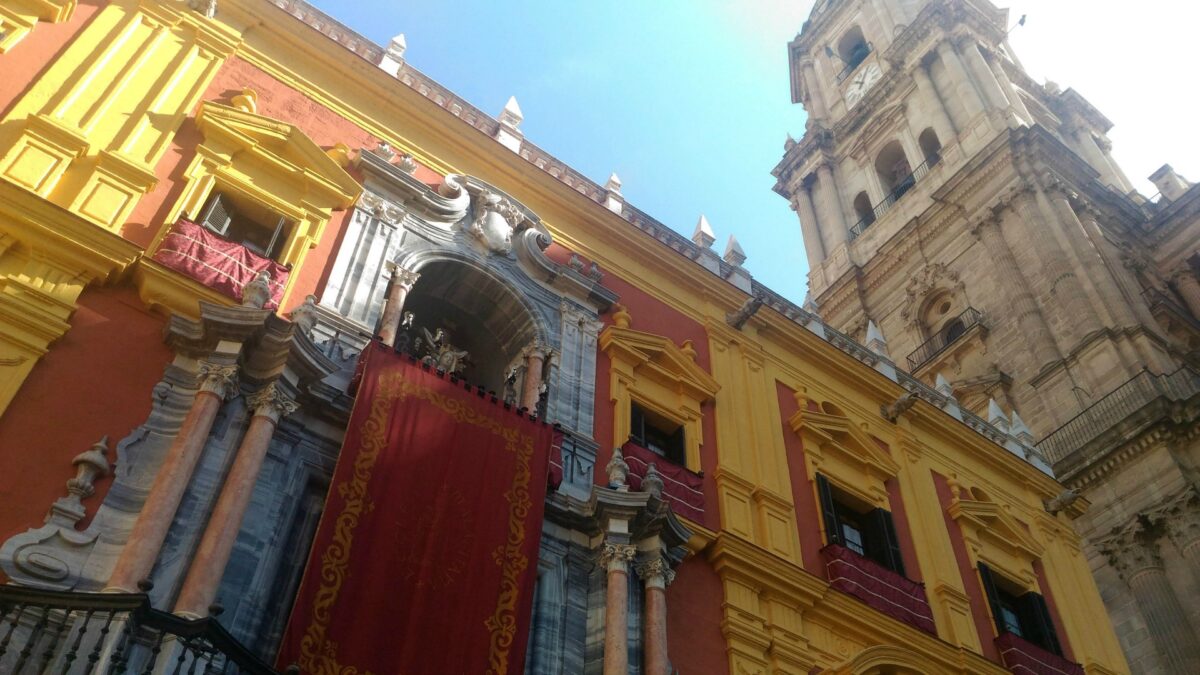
{"x": 978, "y": 219}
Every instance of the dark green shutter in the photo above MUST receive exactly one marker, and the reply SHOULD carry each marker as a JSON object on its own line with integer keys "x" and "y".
{"x": 993, "y": 597}
{"x": 828, "y": 511}
{"x": 1036, "y": 614}
{"x": 637, "y": 424}
{"x": 889, "y": 544}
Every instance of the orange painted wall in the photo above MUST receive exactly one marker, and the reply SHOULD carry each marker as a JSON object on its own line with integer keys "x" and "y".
{"x": 694, "y": 638}
{"x": 96, "y": 380}
{"x": 24, "y": 63}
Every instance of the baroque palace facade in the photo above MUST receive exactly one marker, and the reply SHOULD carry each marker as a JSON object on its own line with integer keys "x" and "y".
{"x": 226, "y": 228}
{"x": 977, "y": 220}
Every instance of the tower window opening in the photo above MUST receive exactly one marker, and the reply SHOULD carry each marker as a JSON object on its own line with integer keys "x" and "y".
{"x": 931, "y": 147}
{"x": 852, "y": 49}
{"x": 894, "y": 171}
{"x": 862, "y": 207}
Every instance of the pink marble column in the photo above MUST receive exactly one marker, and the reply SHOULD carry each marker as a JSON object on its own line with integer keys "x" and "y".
{"x": 656, "y": 575}
{"x": 217, "y": 383}
{"x": 208, "y": 565}
{"x": 616, "y": 558}
{"x": 393, "y": 306}
{"x": 535, "y": 360}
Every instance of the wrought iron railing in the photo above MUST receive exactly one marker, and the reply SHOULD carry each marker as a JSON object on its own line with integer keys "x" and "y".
{"x": 1117, "y": 406}
{"x": 856, "y": 60}
{"x": 945, "y": 337}
{"x": 901, "y": 188}
{"x": 70, "y": 633}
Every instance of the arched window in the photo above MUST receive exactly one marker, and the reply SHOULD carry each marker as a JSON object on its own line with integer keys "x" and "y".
{"x": 853, "y": 48}
{"x": 895, "y": 173}
{"x": 931, "y": 147}
{"x": 862, "y": 207}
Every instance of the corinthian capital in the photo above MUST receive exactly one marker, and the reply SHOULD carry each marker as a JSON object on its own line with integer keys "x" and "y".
{"x": 656, "y": 572}
{"x": 218, "y": 379}
{"x": 616, "y": 557}
{"x": 1132, "y": 552}
{"x": 404, "y": 278}
{"x": 271, "y": 403}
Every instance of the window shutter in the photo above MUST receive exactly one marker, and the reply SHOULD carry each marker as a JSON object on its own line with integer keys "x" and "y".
{"x": 889, "y": 543}
{"x": 828, "y": 511}
{"x": 678, "y": 451}
{"x": 637, "y": 424}
{"x": 217, "y": 215}
{"x": 1037, "y": 615}
{"x": 989, "y": 588}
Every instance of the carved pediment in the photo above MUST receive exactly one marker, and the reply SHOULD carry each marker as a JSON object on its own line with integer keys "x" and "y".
{"x": 282, "y": 148}
{"x": 838, "y": 434}
{"x": 997, "y": 537}
{"x": 661, "y": 359}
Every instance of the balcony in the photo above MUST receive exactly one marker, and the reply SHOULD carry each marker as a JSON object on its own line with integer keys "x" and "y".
{"x": 117, "y": 633}
{"x": 879, "y": 587}
{"x": 1141, "y": 400}
{"x": 1022, "y": 656}
{"x": 902, "y": 187}
{"x": 224, "y": 266}
{"x": 682, "y": 489}
{"x": 860, "y": 54}
{"x": 944, "y": 338}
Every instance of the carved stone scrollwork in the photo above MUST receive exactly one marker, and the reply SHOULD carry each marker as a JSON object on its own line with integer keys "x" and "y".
{"x": 218, "y": 379}
{"x": 272, "y": 403}
{"x": 53, "y": 556}
{"x": 496, "y": 219}
{"x": 616, "y": 557}
{"x": 1132, "y": 552}
{"x": 381, "y": 209}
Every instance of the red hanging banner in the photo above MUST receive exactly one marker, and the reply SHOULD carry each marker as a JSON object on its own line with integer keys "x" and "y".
{"x": 426, "y": 555}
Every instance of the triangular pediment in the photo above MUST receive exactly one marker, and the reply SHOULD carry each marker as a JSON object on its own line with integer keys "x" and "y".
{"x": 662, "y": 357}
{"x": 283, "y": 145}
{"x": 994, "y": 525}
{"x": 839, "y": 433}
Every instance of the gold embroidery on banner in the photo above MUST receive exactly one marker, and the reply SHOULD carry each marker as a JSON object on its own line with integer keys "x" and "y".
{"x": 318, "y": 653}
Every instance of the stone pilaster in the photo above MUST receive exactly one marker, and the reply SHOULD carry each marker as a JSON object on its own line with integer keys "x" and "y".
{"x": 269, "y": 404}
{"x": 1135, "y": 556}
{"x": 656, "y": 575}
{"x": 1189, "y": 288}
{"x": 833, "y": 223}
{"x": 942, "y": 124}
{"x": 615, "y": 558}
{"x": 217, "y": 382}
{"x": 393, "y": 306}
{"x": 963, "y": 90}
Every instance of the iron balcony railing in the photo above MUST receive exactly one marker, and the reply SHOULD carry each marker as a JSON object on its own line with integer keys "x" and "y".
{"x": 1118, "y": 405}
{"x": 856, "y": 60}
{"x": 945, "y": 337}
{"x": 902, "y": 187}
{"x": 74, "y": 633}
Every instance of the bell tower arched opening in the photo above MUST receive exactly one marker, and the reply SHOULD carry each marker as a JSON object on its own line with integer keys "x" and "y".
{"x": 893, "y": 168}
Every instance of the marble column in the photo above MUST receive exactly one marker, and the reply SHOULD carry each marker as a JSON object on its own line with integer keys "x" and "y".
{"x": 942, "y": 124}
{"x": 1137, "y": 560}
{"x": 615, "y": 558}
{"x": 813, "y": 248}
{"x": 1024, "y": 307}
{"x": 656, "y": 575}
{"x": 393, "y": 305}
{"x": 964, "y": 90}
{"x": 217, "y": 382}
{"x": 535, "y": 363}
{"x": 1188, "y": 287}
{"x": 833, "y": 224}
{"x": 208, "y": 564}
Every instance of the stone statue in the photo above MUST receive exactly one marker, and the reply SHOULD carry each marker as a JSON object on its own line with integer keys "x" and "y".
{"x": 257, "y": 293}
{"x": 442, "y": 354}
{"x": 510, "y": 386}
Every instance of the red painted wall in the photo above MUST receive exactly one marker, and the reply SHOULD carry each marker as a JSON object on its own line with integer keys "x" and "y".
{"x": 694, "y": 618}
{"x": 808, "y": 516}
{"x": 903, "y": 532}
{"x": 974, "y": 588}
{"x": 24, "y": 63}
{"x": 96, "y": 380}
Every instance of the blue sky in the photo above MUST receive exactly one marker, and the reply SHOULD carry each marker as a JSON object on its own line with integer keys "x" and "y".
{"x": 688, "y": 101}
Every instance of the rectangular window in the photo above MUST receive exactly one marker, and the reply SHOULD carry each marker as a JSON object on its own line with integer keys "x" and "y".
{"x": 867, "y": 531}
{"x": 244, "y": 222}
{"x": 657, "y": 434}
{"x": 1022, "y": 614}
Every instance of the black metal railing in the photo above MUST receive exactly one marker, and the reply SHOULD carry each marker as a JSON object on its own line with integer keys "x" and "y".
{"x": 69, "y": 633}
{"x": 856, "y": 59}
{"x": 901, "y": 188}
{"x": 945, "y": 337}
{"x": 1116, "y": 407}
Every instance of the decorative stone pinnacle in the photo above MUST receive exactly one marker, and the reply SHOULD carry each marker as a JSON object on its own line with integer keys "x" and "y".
{"x": 304, "y": 316}
{"x": 616, "y": 557}
{"x": 218, "y": 379}
{"x": 397, "y": 47}
{"x": 653, "y": 482}
{"x": 271, "y": 403}
{"x": 89, "y": 465}
{"x": 876, "y": 341}
{"x": 996, "y": 416}
{"x": 511, "y": 116}
{"x": 613, "y": 185}
{"x": 703, "y": 234}
{"x": 257, "y": 293}
{"x": 734, "y": 255}
{"x": 1020, "y": 430}
{"x": 407, "y": 164}
{"x": 688, "y": 349}
{"x": 621, "y": 316}
{"x": 207, "y": 8}
{"x": 943, "y": 386}
{"x": 618, "y": 471}
{"x": 385, "y": 151}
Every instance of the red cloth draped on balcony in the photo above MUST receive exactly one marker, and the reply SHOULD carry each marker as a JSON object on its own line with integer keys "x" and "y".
{"x": 1022, "y": 656}
{"x": 221, "y": 265}
{"x": 897, "y": 596}
{"x": 683, "y": 490}
{"x": 425, "y": 558}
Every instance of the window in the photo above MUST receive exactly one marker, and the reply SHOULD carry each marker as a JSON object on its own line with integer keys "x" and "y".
{"x": 867, "y": 531}
{"x": 853, "y": 48}
{"x": 931, "y": 147}
{"x": 863, "y": 208}
{"x": 657, "y": 434}
{"x": 243, "y": 222}
{"x": 1023, "y": 614}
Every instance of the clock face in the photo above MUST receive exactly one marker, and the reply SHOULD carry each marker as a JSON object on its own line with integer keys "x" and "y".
{"x": 861, "y": 82}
